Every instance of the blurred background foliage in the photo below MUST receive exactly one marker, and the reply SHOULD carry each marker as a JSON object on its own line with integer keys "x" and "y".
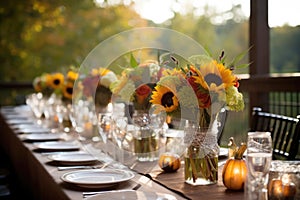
{"x": 43, "y": 36}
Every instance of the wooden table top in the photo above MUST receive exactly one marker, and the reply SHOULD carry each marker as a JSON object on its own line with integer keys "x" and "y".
{"x": 39, "y": 175}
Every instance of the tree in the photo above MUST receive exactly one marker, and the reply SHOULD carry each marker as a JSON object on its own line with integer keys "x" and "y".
{"x": 44, "y": 36}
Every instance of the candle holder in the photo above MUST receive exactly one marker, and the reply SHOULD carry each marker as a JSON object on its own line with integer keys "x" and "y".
{"x": 284, "y": 182}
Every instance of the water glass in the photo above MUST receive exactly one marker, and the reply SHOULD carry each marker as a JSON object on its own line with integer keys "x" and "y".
{"x": 259, "y": 157}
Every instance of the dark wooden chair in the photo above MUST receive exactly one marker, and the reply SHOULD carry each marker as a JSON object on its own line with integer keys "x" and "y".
{"x": 285, "y": 132}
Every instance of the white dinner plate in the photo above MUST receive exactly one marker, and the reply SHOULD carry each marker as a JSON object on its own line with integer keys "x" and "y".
{"x": 73, "y": 158}
{"x": 42, "y": 137}
{"x": 57, "y": 145}
{"x": 131, "y": 194}
{"x": 97, "y": 178}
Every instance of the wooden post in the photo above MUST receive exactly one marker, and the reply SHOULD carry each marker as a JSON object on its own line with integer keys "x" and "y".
{"x": 259, "y": 53}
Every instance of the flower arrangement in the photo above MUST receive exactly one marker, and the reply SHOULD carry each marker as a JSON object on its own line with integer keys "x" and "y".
{"x": 56, "y": 83}
{"x": 202, "y": 87}
{"x": 211, "y": 81}
{"x": 137, "y": 83}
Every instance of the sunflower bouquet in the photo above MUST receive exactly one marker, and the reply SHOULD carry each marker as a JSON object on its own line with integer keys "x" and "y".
{"x": 56, "y": 84}
{"x": 214, "y": 85}
{"x": 135, "y": 85}
{"x": 197, "y": 92}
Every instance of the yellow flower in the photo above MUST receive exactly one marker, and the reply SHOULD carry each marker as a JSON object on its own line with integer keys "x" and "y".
{"x": 68, "y": 90}
{"x": 103, "y": 71}
{"x": 72, "y": 76}
{"x": 57, "y": 80}
{"x": 214, "y": 76}
{"x": 165, "y": 97}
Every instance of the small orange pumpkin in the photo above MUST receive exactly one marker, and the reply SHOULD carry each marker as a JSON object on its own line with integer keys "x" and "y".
{"x": 169, "y": 162}
{"x": 235, "y": 170}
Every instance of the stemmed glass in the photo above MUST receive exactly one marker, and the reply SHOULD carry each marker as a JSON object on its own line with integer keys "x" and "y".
{"x": 37, "y": 105}
{"x": 259, "y": 157}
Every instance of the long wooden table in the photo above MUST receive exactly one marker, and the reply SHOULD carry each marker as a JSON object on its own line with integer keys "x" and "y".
{"x": 42, "y": 179}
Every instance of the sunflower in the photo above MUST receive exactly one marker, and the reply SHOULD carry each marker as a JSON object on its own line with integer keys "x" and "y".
{"x": 165, "y": 97}
{"x": 68, "y": 90}
{"x": 214, "y": 76}
{"x": 57, "y": 80}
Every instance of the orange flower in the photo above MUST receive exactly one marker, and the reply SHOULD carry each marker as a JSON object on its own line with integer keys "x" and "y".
{"x": 142, "y": 92}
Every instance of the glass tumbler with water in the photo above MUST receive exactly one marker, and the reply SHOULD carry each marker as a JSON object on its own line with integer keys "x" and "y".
{"x": 259, "y": 157}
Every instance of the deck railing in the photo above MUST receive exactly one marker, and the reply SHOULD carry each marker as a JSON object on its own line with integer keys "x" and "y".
{"x": 277, "y": 93}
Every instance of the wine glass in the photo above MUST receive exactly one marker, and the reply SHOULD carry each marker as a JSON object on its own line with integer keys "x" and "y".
{"x": 259, "y": 157}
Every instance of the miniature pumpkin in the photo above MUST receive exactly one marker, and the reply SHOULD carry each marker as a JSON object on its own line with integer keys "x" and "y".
{"x": 235, "y": 170}
{"x": 169, "y": 162}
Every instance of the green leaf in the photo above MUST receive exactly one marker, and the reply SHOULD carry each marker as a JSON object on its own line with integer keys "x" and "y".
{"x": 133, "y": 61}
{"x": 242, "y": 66}
{"x": 238, "y": 58}
{"x": 208, "y": 52}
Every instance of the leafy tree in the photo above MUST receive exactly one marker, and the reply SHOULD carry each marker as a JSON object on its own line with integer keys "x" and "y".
{"x": 43, "y": 36}
{"x": 285, "y": 43}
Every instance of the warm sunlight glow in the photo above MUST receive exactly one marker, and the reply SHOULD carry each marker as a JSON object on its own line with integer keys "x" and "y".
{"x": 280, "y": 12}
{"x": 156, "y": 10}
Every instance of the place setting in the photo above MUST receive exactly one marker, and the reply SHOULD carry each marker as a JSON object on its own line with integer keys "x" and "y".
{"x": 97, "y": 178}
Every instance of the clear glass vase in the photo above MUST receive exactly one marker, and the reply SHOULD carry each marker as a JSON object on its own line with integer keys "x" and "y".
{"x": 146, "y": 139}
{"x": 201, "y": 158}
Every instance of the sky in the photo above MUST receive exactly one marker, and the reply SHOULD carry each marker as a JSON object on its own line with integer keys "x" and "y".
{"x": 280, "y": 11}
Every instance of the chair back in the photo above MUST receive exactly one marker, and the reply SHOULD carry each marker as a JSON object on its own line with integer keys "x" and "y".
{"x": 285, "y": 132}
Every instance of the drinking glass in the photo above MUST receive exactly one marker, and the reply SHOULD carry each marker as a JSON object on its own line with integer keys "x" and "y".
{"x": 259, "y": 157}
{"x": 105, "y": 126}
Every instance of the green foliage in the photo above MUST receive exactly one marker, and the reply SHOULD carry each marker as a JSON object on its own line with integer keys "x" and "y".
{"x": 45, "y": 36}
{"x": 133, "y": 61}
{"x": 285, "y": 49}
